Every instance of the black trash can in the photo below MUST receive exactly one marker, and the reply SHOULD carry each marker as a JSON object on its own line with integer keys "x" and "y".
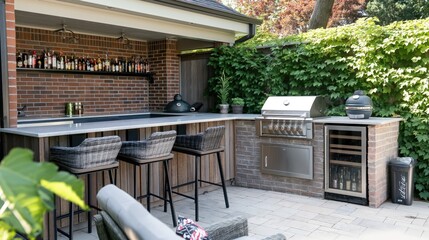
{"x": 402, "y": 180}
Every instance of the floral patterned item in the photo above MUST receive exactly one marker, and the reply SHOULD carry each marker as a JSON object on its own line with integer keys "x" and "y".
{"x": 189, "y": 230}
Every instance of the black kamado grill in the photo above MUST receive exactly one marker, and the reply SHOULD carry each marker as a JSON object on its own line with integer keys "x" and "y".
{"x": 178, "y": 105}
{"x": 359, "y": 106}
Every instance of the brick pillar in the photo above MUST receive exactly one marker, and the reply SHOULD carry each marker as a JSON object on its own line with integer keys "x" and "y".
{"x": 165, "y": 64}
{"x": 11, "y": 91}
{"x": 382, "y": 147}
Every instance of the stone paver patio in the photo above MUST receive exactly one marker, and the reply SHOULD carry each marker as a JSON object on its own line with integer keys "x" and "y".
{"x": 300, "y": 217}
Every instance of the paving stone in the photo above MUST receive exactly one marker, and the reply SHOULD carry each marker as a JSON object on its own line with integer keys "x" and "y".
{"x": 299, "y": 217}
{"x": 320, "y": 234}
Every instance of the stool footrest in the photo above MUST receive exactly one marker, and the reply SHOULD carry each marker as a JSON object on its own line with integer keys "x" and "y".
{"x": 183, "y": 195}
{"x": 63, "y": 232}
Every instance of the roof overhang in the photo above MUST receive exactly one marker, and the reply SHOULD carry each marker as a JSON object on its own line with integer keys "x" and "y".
{"x": 192, "y": 26}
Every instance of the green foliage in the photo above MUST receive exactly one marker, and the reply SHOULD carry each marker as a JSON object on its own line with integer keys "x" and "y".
{"x": 27, "y": 191}
{"x": 389, "y": 11}
{"x": 390, "y": 63}
{"x": 223, "y": 88}
{"x": 237, "y": 101}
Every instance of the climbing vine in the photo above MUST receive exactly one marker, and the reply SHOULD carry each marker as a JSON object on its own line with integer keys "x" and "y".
{"x": 390, "y": 63}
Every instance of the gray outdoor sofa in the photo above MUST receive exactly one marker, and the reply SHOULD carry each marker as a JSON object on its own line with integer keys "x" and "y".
{"x": 122, "y": 218}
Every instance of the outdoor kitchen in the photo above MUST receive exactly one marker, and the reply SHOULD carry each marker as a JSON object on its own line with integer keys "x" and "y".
{"x": 291, "y": 148}
{"x": 292, "y": 145}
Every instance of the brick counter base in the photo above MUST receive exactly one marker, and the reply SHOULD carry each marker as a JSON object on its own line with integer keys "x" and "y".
{"x": 382, "y": 147}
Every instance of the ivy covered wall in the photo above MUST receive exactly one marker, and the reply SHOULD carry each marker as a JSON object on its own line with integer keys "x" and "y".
{"x": 390, "y": 63}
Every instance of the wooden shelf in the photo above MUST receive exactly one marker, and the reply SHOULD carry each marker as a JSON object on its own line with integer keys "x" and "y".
{"x": 148, "y": 76}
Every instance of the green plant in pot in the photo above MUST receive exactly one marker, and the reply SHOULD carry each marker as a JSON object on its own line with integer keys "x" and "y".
{"x": 223, "y": 92}
{"x": 27, "y": 192}
{"x": 237, "y": 105}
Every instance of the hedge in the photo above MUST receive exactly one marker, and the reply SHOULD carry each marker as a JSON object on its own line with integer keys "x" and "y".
{"x": 390, "y": 63}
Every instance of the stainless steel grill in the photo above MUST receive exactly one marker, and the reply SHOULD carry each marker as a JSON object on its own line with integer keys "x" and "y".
{"x": 290, "y": 116}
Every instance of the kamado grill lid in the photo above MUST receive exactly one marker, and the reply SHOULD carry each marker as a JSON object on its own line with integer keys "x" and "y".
{"x": 294, "y": 106}
{"x": 178, "y": 105}
{"x": 359, "y": 106}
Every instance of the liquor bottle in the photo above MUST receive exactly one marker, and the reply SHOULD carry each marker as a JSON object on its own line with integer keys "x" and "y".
{"x": 39, "y": 61}
{"x": 334, "y": 177}
{"x": 359, "y": 181}
{"x": 34, "y": 58}
{"x": 76, "y": 63}
{"x": 348, "y": 180}
{"x": 147, "y": 66}
{"x": 30, "y": 59}
{"x": 354, "y": 184}
{"x": 59, "y": 65}
{"x": 120, "y": 66}
{"x": 45, "y": 60}
{"x": 19, "y": 61}
{"x": 49, "y": 60}
{"x": 100, "y": 65}
{"x": 62, "y": 62}
{"x": 25, "y": 60}
{"x": 341, "y": 179}
{"x": 54, "y": 60}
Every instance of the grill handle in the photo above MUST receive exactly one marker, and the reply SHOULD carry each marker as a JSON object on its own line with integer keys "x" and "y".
{"x": 304, "y": 115}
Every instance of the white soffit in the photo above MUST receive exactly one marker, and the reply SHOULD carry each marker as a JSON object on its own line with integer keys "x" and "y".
{"x": 139, "y": 15}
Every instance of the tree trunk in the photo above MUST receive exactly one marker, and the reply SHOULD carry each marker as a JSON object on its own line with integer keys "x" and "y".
{"x": 321, "y": 13}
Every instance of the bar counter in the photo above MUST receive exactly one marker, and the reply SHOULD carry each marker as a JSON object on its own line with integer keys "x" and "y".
{"x": 50, "y": 127}
{"x": 41, "y": 134}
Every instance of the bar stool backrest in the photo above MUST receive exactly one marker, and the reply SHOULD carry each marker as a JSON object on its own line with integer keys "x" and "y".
{"x": 159, "y": 144}
{"x": 92, "y": 152}
{"x": 210, "y": 139}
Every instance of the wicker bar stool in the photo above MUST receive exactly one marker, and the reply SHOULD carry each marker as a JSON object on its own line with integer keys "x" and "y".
{"x": 91, "y": 156}
{"x": 198, "y": 145}
{"x": 157, "y": 148}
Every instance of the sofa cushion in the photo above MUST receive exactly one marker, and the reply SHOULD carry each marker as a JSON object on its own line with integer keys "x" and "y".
{"x": 134, "y": 220}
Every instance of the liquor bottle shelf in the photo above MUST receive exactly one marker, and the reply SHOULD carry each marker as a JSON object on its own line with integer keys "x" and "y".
{"x": 148, "y": 75}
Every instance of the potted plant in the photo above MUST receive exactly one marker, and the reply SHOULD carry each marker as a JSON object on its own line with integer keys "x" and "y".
{"x": 237, "y": 105}
{"x": 223, "y": 93}
{"x": 27, "y": 192}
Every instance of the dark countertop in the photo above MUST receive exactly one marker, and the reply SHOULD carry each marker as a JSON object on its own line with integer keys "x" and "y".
{"x": 348, "y": 121}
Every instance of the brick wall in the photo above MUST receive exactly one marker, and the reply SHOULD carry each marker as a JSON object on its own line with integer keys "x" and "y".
{"x": 11, "y": 50}
{"x": 165, "y": 59}
{"x": 45, "y": 94}
{"x": 382, "y": 147}
{"x": 248, "y": 159}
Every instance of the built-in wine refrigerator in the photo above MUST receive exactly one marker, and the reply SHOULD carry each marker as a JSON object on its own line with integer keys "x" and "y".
{"x": 346, "y": 163}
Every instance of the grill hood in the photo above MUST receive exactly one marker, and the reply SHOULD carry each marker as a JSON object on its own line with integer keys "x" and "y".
{"x": 294, "y": 106}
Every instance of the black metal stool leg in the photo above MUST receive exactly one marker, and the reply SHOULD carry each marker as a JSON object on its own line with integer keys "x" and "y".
{"x": 168, "y": 186}
{"x": 197, "y": 159}
{"x": 89, "y": 203}
{"x": 165, "y": 184}
{"x": 135, "y": 181}
{"x": 148, "y": 188}
{"x": 71, "y": 221}
{"x": 111, "y": 177}
{"x": 222, "y": 178}
{"x": 55, "y": 217}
